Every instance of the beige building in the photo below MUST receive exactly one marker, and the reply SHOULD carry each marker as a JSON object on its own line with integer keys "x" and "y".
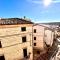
{"x": 42, "y": 36}
{"x": 15, "y": 39}
{"x": 38, "y": 36}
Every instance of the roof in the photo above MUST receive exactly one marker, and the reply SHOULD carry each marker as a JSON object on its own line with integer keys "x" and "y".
{"x": 46, "y": 27}
{"x": 13, "y": 21}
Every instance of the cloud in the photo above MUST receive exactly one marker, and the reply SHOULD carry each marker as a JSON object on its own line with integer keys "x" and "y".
{"x": 35, "y": 1}
{"x": 56, "y": 1}
{"x": 49, "y": 2}
{"x": 46, "y": 3}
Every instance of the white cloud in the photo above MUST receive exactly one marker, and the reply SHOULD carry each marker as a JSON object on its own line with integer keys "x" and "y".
{"x": 49, "y": 2}
{"x": 56, "y": 1}
{"x": 46, "y": 3}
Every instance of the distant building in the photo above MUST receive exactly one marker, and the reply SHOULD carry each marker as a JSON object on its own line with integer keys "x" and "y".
{"x": 15, "y": 39}
{"x": 57, "y": 31}
{"x": 49, "y": 36}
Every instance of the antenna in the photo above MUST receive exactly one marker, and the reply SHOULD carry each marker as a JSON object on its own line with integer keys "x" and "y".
{"x": 24, "y": 17}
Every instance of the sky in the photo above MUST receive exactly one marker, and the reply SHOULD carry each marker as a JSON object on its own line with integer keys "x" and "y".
{"x": 36, "y": 10}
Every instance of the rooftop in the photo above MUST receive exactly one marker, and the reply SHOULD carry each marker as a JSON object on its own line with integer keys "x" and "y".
{"x": 13, "y": 21}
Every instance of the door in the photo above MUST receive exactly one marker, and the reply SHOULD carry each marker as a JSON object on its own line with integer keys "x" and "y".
{"x": 25, "y": 52}
{"x": 2, "y": 57}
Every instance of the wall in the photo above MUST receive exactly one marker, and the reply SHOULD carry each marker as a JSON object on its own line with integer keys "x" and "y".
{"x": 39, "y": 36}
{"x": 12, "y": 46}
{"x": 49, "y": 37}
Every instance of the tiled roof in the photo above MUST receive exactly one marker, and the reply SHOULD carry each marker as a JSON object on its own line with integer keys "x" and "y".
{"x": 12, "y": 21}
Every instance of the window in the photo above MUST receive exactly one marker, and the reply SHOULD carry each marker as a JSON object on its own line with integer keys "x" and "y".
{"x": 0, "y": 45}
{"x": 34, "y": 30}
{"x": 34, "y": 44}
{"x": 38, "y": 52}
{"x": 24, "y": 39}
{"x": 23, "y": 28}
{"x": 34, "y": 38}
{"x": 25, "y": 52}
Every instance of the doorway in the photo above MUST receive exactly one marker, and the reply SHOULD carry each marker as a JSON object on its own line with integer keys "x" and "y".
{"x": 2, "y": 57}
{"x": 25, "y": 52}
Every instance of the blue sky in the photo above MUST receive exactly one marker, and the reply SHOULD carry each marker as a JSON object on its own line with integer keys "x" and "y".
{"x": 36, "y": 10}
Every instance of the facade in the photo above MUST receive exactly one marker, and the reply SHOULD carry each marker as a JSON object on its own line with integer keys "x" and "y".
{"x": 49, "y": 36}
{"x": 42, "y": 36}
{"x": 38, "y": 36}
{"x": 16, "y": 39}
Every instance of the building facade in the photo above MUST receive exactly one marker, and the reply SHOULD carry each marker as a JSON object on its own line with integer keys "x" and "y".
{"x": 42, "y": 36}
{"x": 16, "y": 39}
{"x": 49, "y": 36}
{"x": 38, "y": 36}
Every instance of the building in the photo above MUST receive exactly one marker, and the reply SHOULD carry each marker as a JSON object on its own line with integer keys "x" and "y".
{"x": 57, "y": 31}
{"x": 42, "y": 36}
{"x": 49, "y": 36}
{"x": 16, "y": 39}
{"x": 38, "y": 36}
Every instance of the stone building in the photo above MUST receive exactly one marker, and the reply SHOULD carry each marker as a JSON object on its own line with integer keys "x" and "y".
{"x": 38, "y": 36}
{"x": 42, "y": 36}
{"x": 16, "y": 39}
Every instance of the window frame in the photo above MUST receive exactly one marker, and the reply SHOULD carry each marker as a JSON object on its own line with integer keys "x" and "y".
{"x": 34, "y": 44}
{"x": 23, "y": 29}
{"x": 34, "y": 30}
{"x": 24, "y": 39}
{"x": 34, "y": 38}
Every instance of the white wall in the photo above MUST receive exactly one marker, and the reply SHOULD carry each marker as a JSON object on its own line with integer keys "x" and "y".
{"x": 49, "y": 37}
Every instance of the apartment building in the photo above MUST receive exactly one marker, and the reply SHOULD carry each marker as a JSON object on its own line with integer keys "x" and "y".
{"x": 42, "y": 36}
{"x": 38, "y": 36}
{"x": 16, "y": 39}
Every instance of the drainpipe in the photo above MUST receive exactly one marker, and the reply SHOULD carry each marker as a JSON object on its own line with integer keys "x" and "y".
{"x": 32, "y": 42}
{"x": 44, "y": 38}
{"x": 51, "y": 38}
